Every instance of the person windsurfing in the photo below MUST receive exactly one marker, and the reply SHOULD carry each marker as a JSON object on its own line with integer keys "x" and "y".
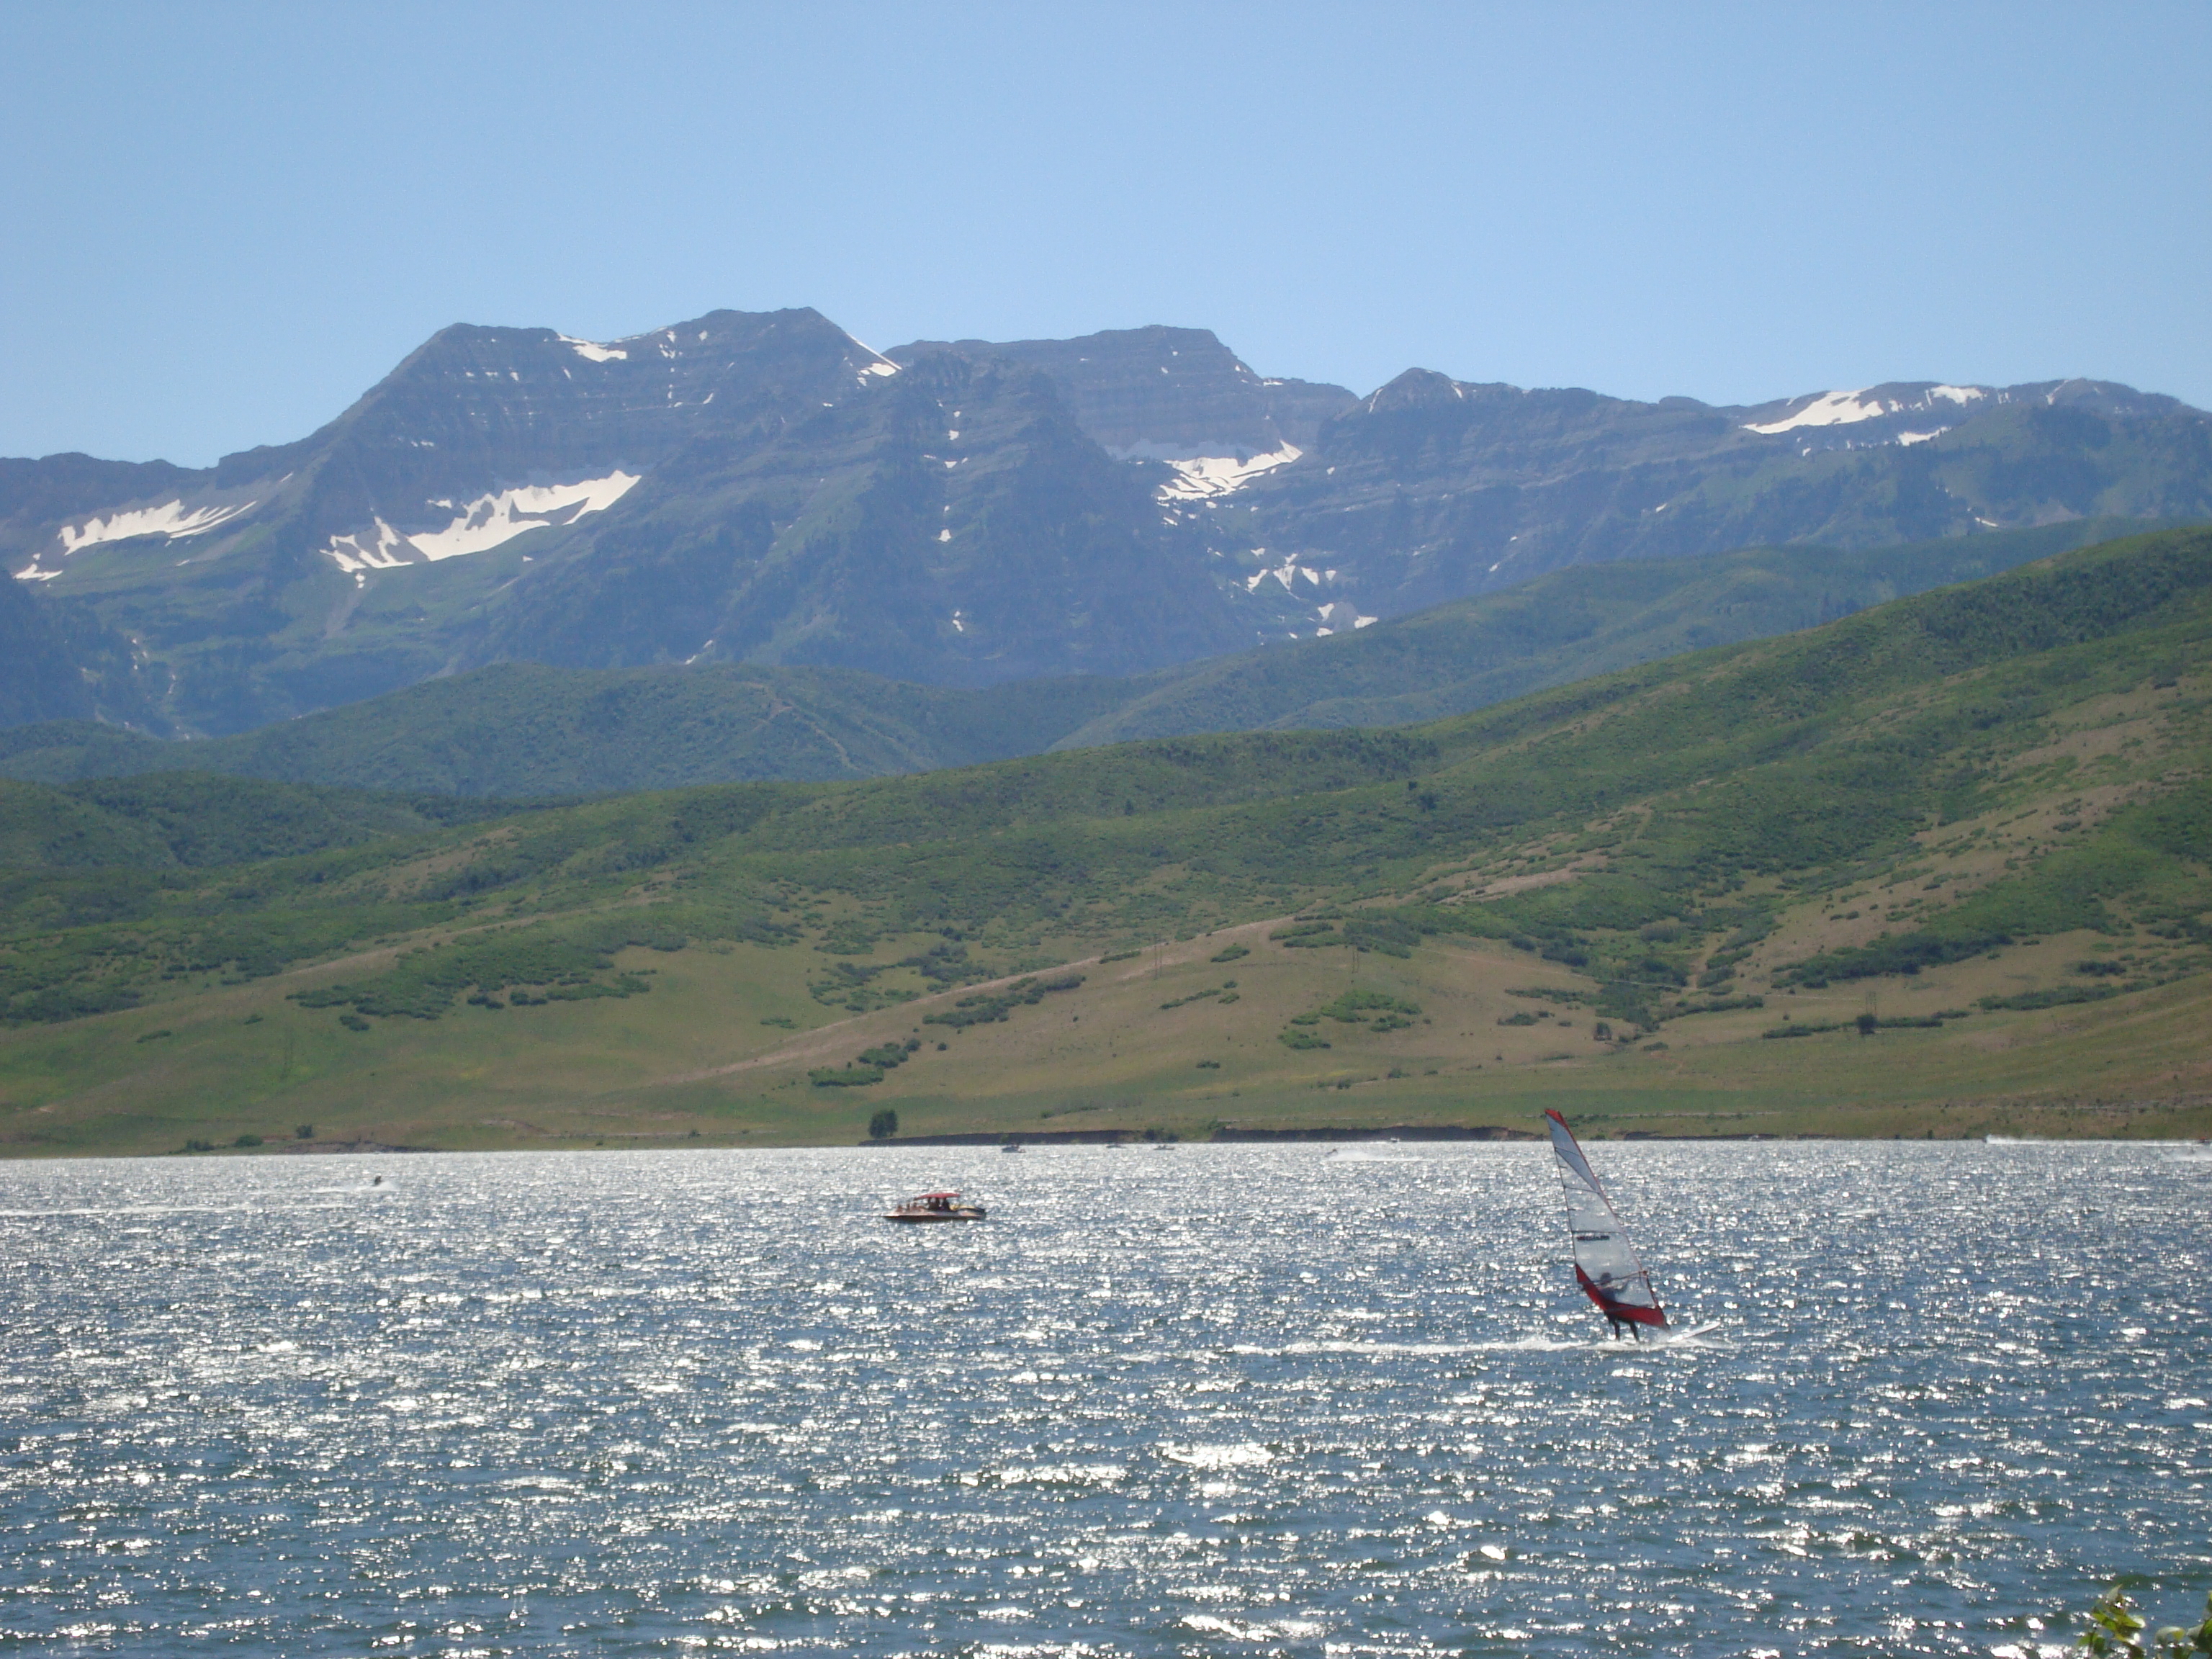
{"x": 1606, "y": 1264}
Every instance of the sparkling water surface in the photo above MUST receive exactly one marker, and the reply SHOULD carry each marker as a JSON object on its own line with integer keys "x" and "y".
{"x": 1207, "y": 1400}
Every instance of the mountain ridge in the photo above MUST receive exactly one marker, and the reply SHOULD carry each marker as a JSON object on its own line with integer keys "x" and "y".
{"x": 762, "y": 486}
{"x": 1433, "y": 488}
{"x": 1164, "y": 393}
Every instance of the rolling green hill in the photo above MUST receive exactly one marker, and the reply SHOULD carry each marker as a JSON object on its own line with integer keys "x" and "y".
{"x": 1567, "y": 626}
{"x": 1973, "y": 823}
{"x": 525, "y": 729}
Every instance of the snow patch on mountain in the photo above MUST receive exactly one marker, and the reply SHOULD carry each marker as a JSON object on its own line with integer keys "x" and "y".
{"x": 170, "y": 520}
{"x": 591, "y": 351}
{"x": 487, "y": 521}
{"x": 364, "y": 551}
{"x": 1829, "y": 409}
{"x": 1288, "y": 573}
{"x": 878, "y": 363}
{"x": 1843, "y": 408}
{"x": 1198, "y": 476}
{"x": 482, "y": 523}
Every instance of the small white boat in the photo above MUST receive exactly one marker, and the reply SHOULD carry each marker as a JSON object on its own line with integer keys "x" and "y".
{"x": 936, "y": 1206}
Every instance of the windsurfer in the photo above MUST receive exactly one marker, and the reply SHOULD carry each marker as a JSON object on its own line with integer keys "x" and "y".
{"x": 1606, "y": 1266}
{"x": 1601, "y": 1293}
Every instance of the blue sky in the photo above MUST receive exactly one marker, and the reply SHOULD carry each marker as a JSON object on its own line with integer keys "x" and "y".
{"x": 224, "y": 221}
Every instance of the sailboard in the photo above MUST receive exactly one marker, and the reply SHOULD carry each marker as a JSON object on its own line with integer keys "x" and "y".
{"x": 1606, "y": 1263}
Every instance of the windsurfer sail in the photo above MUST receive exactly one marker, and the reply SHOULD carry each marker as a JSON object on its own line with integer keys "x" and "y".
{"x": 1605, "y": 1262}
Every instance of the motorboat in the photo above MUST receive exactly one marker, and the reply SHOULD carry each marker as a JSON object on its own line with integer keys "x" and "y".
{"x": 936, "y": 1206}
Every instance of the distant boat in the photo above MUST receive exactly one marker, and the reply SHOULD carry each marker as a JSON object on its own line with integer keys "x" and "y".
{"x": 1606, "y": 1264}
{"x": 1011, "y": 1147}
{"x": 936, "y": 1206}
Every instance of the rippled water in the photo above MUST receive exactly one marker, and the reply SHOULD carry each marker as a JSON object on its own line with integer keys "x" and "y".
{"x": 1210, "y": 1400}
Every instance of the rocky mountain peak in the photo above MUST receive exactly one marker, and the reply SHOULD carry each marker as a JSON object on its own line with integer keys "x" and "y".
{"x": 1417, "y": 388}
{"x": 1163, "y": 393}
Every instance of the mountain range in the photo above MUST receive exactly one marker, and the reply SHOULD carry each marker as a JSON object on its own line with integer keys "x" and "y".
{"x": 763, "y": 490}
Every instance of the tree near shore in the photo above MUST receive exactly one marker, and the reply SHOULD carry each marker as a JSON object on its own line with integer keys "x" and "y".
{"x": 2116, "y": 1632}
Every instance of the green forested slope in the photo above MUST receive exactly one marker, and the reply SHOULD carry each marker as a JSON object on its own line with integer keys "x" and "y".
{"x": 1567, "y": 626}
{"x": 199, "y": 820}
{"x": 1883, "y": 801}
{"x": 524, "y": 730}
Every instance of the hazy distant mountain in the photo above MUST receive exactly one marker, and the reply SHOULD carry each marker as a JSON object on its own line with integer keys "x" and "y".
{"x": 39, "y": 675}
{"x": 762, "y": 488}
{"x": 59, "y": 662}
{"x": 479, "y": 434}
{"x": 739, "y": 486}
{"x": 293, "y": 578}
{"x": 1433, "y": 488}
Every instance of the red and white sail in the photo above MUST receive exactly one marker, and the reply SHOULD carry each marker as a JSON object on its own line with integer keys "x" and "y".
{"x": 1606, "y": 1264}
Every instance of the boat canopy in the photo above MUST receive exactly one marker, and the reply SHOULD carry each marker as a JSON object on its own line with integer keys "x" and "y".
{"x": 1606, "y": 1264}
{"x": 940, "y": 1195}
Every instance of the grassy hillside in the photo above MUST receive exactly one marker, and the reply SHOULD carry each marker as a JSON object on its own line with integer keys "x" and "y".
{"x": 1974, "y": 821}
{"x": 526, "y": 729}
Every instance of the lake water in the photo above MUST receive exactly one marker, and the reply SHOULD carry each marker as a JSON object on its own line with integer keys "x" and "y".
{"x": 1209, "y": 1401}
